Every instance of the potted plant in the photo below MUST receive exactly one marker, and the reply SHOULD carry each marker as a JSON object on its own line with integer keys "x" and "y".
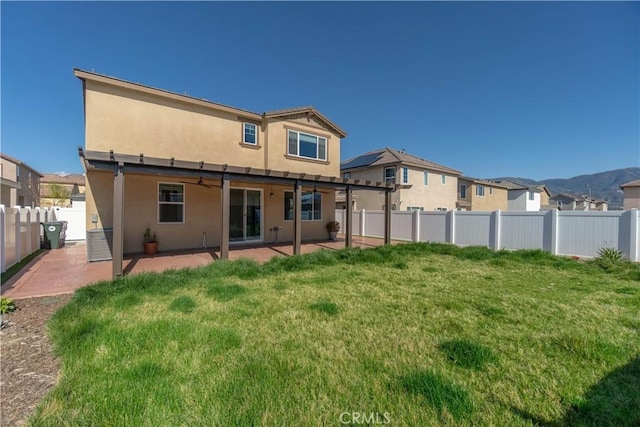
{"x": 333, "y": 227}
{"x": 150, "y": 242}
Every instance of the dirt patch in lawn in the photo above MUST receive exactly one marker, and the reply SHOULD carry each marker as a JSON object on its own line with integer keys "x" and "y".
{"x": 29, "y": 368}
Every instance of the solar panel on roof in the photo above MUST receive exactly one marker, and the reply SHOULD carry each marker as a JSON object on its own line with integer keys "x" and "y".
{"x": 364, "y": 160}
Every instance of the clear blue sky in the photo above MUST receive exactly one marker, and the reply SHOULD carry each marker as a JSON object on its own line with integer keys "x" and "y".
{"x": 537, "y": 90}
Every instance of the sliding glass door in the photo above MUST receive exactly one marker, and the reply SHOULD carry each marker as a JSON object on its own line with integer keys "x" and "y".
{"x": 245, "y": 223}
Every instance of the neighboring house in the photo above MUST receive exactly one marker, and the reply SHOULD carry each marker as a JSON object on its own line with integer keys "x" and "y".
{"x": 20, "y": 183}
{"x": 522, "y": 196}
{"x": 202, "y": 174}
{"x": 425, "y": 185}
{"x": 631, "y": 195}
{"x": 341, "y": 201}
{"x": 572, "y": 202}
{"x": 480, "y": 195}
{"x": 56, "y": 189}
{"x": 544, "y": 195}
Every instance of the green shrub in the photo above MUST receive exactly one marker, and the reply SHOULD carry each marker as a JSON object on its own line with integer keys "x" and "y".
{"x": 6, "y": 305}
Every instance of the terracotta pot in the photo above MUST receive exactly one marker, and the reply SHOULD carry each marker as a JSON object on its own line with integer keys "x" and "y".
{"x": 150, "y": 248}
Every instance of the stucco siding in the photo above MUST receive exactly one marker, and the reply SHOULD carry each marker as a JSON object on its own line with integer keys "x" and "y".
{"x": 631, "y": 198}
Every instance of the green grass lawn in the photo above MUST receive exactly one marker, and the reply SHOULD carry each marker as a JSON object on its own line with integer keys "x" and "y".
{"x": 414, "y": 334}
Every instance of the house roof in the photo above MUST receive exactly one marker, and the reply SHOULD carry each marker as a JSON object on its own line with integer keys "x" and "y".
{"x": 86, "y": 75}
{"x": 518, "y": 185}
{"x": 567, "y": 196}
{"x": 309, "y": 110}
{"x": 385, "y": 156}
{"x": 70, "y": 179}
{"x": 635, "y": 183}
{"x": 482, "y": 182}
{"x": 18, "y": 162}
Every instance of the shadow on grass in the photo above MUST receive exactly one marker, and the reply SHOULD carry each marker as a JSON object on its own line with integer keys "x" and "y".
{"x": 467, "y": 354}
{"x": 613, "y": 401}
{"x": 325, "y": 307}
{"x": 442, "y": 394}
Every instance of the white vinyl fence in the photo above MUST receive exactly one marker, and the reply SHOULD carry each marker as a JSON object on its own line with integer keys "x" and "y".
{"x": 76, "y": 222}
{"x": 568, "y": 233}
{"x": 20, "y": 233}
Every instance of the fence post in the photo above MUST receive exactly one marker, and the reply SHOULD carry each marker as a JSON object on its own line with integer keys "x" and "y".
{"x": 16, "y": 231}
{"x": 496, "y": 224}
{"x": 416, "y": 226}
{"x": 362, "y": 216}
{"x": 28, "y": 227}
{"x": 452, "y": 227}
{"x": 633, "y": 235}
{"x": 3, "y": 262}
{"x": 554, "y": 231}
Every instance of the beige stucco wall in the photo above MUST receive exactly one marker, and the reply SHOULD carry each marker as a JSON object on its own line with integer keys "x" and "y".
{"x": 277, "y": 142}
{"x": 430, "y": 197}
{"x": 29, "y": 181}
{"x": 132, "y": 122}
{"x": 495, "y": 198}
{"x": 202, "y": 212}
{"x": 631, "y": 198}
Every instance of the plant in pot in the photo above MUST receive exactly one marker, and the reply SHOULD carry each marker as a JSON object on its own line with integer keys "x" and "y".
{"x": 150, "y": 242}
{"x": 333, "y": 227}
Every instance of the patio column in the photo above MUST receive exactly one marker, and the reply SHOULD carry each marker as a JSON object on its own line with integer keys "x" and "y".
{"x": 118, "y": 219}
{"x": 297, "y": 217}
{"x": 225, "y": 191}
{"x": 387, "y": 217}
{"x": 348, "y": 219}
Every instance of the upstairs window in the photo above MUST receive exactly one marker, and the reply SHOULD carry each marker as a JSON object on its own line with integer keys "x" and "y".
{"x": 532, "y": 195}
{"x": 444, "y": 178}
{"x": 346, "y": 175}
{"x": 250, "y": 134}
{"x": 405, "y": 175}
{"x": 480, "y": 190}
{"x": 307, "y": 145}
{"x": 463, "y": 191}
{"x": 389, "y": 175}
{"x": 170, "y": 203}
{"x": 425, "y": 178}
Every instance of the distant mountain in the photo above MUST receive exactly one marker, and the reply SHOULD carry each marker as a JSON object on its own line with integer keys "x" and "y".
{"x": 604, "y": 185}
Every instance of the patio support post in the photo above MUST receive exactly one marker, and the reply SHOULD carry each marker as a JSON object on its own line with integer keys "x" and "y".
{"x": 225, "y": 216}
{"x": 297, "y": 217}
{"x": 118, "y": 219}
{"x": 348, "y": 219}
{"x": 387, "y": 217}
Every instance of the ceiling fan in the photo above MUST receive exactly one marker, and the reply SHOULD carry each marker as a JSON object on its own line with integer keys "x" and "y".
{"x": 201, "y": 183}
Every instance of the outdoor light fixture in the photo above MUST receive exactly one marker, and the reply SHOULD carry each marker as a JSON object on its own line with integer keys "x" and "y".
{"x": 271, "y": 194}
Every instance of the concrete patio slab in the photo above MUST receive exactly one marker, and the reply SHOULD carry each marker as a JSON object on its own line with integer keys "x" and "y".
{"x": 62, "y": 271}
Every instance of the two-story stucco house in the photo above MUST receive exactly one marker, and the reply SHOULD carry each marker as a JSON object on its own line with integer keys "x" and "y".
{"x": 425, "y": 185}
{"x": 480, "y": 195}
{"x": 631, "y": 194}
{"x": 201, "y": 173}
{"x": 523, "y": 197}
{"x": 20, "y": 183}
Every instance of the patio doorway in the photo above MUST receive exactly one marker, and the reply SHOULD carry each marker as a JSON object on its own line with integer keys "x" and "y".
{"x": 245, "y": 222}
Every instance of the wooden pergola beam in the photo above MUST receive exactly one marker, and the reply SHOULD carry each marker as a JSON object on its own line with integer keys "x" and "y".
{"x": 118, "y": 220}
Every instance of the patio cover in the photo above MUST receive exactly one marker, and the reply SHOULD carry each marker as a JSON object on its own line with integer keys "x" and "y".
{"x": 122, "y": 164}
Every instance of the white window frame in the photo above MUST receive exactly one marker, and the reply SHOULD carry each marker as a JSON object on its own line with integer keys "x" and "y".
{"x": 444, "y": 179}
{"x": 284, "y": 213}
{"x": 183, "y": 203}
{"x": 480, "y": 190}
{"x": 463, "y": 187}
{"x": 425, "y": 178}
{"x": 317, "y": 137}
{"x": 532, "y": 196}
{"x": 244, "y": 133}
{"x": 405, "y": 175}
{"x": 346, "y": 175}
{"x": 390, "y": 179}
